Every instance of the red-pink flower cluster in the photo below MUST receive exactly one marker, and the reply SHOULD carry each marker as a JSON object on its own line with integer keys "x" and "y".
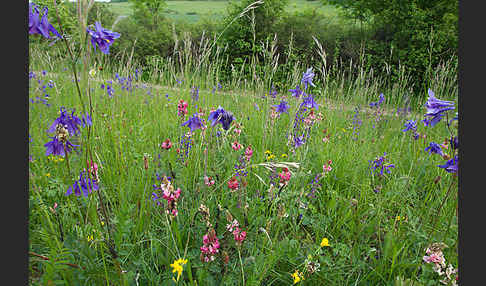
{"x": 210, "y": 246}
{"x": 248, "y": 153}
{"x": 233, "y": 184}
{"x": 236, "y": 146}
{"x": 208, "y": 181}
{"x": 170, "y": 195}
{"x": 327, "y": 168}
{"x": 182, "y": 108}
{"x": 239, "y": 235}
{"x": 284, "y": 176}
{"x": 166, "y": 144}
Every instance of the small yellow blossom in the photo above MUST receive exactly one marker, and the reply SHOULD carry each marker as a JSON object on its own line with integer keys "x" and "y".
{"x": 297, "y": 276}
{"x": 398, "y": 218}
{"x": 284, "y": 155}
{"x": 324, "y": 242}
{"x": 89, "y": 238}
{"x": 177, "y": 265}
{"x": 268, "y": 152}
{"x": 48, "y": 175}
{"x": 270, "y": 157}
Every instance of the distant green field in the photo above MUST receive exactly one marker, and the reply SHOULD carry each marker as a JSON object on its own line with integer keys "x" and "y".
{"x": 193, "y": 10}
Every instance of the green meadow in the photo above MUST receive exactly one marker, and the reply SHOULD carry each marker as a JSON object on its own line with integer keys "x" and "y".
{"x": 191, "y": 11}
{"x": 164, "y": 174}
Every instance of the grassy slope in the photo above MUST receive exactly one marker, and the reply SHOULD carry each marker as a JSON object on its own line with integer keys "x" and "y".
{"x": 185, "y": 9}
{"x": 369, "y": 245}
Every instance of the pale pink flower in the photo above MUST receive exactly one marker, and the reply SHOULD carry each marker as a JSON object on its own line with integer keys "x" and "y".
{"x": 232, "y": 225}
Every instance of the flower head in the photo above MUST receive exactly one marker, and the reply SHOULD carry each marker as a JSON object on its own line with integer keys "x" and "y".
{"x": 233, "y": 184}
{"x": 282, "y": 107}
{"x": 436, "y": 109}
{"x": 410, "y": 125}
{"x": 70, "y": 121}
{"x": 297, "y": 276}
{"x": 307, "y": 77}
{"x": 450, "y": 166}
{"x": 434, "y": 148}
{"x": 193, "y": 123}
{"x": 39, "y": 25}
{"x": 84, "y": 184}
{"x": 221, "y": 116}
{"x": 324, "y": 242}
{"x": 102, "y": 37}
{"x": 236, "y": 146}
{"x": 296, "y": 92}
{"x": 166, "y": 144}
{"x": 309, "y": 102}
{"x": 177, "y": 267}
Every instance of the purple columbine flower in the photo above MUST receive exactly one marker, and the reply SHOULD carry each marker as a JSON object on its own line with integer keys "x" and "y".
{"x": 410, "y": 125}
{"x": 296, "y": 92}
{"x": 102, "y": 37}
{"x": 379, "y": 102}
{"x": 71, "y": 122}
{"x": 436, "y": 109}
{"x": 309, "y": 102}
{"x": 307, "y": 78}
{"x": 450, "y": 166}
{"x": 434, "y": 148}
{"x": 56, "y": 147}
{"x": 193, "y": 123}
{"x": 282, "y": 107}
{"x": 38, "y": 25}
{"x": 84, "y": 184}
{"x": 221, "y": 116}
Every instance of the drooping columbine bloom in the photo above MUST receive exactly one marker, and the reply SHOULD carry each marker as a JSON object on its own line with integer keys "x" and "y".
{"x": 60, "y": 143}
{"x": 450, "y": 166}
{"x": 38, "y": 25}
{"x": 410, "y": 125}
{"x": 71, "y": 122}
{"x": 434, "y": 148}
{"x": 307, "y": 78}
{"x": 222, "y": 117}
{"x": 379, "y": 102}
{"x": 436, "y": 109}
{"x": 296, "y": 92}
{"x": 84, "y": 184}
{"x": 102, "y": 37}
{"x": 309, "y": 102}
{"x": 282, "y": 107}
{"x": 194, "y": 123}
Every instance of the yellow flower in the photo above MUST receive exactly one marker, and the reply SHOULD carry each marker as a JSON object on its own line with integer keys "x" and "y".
{"x": 178, "y": 267}
{"x": 90, "y": 238}
{"x": 284, "y": 155}
{"x": 325, "y": 242}
{"x": 48, "y": 175}
{"x": 297, "y": 276}
{"x": 397, "y": 218}
{"x": 60, "y": 159}
{"x": 270, "y": 157}
{"x": 268, "y": 152}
